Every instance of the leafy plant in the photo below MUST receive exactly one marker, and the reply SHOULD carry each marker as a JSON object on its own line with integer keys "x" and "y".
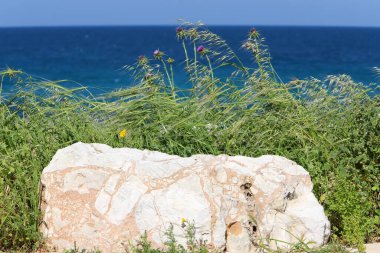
{"x": 172, "y": 246}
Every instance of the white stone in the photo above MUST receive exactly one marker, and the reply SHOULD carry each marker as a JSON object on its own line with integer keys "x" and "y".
{"x": 83, "y": 180}
{"x": 238, "y": 239}
{"x": 219, "y": 235}
{"x": 102, "y": 202}
{"x": 146, "y": 213}
{"x": 58, "y": 223}
{"x": 100, "y": 197}
{"x": 157, "y": 169}
{"x": 221, "y": 175}
{"x": 125, "y": 199}
{"x": 111, "y": 184}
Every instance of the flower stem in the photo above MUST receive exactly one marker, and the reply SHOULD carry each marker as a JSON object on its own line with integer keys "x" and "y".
{"x": 168, "y": 76}
{"x": 195, "y": 62}
{"x": 187, "y": 62}
{"x": 210, "y": 66}
{"x": 172, "y": 75}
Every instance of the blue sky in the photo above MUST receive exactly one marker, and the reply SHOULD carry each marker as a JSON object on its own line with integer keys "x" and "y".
{"x": 160, "y": 12}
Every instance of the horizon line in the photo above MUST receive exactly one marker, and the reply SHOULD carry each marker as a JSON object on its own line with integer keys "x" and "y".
{"x": 174, "y": 25}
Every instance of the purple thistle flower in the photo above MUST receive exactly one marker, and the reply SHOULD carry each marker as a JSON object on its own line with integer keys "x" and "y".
{"x": 181, "y": 34}
{"x": 200, "y": 49}
{"x": 253, "y": 33}
{"x": 142, "y": 60}
{"x": 158, "y": 54}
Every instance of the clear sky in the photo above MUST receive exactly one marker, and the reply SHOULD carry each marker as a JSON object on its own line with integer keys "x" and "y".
{"x": 211, "y": 12}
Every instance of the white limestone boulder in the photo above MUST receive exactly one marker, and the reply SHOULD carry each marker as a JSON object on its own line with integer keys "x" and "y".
{"x": 105, "y": 198}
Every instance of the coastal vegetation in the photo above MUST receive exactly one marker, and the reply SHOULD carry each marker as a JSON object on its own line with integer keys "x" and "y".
{"x": 331, "y": 127}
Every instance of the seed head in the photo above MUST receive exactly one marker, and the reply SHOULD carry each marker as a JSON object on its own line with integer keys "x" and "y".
{"x": 148, "y": 76}
{"x": 249, "y": 45}
{"x": 193, "y": 33}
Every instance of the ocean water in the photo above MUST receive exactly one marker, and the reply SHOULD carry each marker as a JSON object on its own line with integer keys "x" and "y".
{"x": 94, "y": 56}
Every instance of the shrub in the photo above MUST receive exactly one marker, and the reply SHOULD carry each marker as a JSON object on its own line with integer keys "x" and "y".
{"x": 349, "y": 208}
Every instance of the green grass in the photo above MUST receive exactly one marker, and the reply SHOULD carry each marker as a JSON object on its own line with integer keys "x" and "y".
{"x": 143, "y": 245}
{"x": 331, "y": 127}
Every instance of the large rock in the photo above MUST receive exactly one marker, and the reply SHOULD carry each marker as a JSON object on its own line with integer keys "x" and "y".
{"x": 100, "y": 197}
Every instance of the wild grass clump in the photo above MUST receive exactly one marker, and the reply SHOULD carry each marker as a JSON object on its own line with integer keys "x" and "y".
{"x": 194, "y": 245}
{"x": 331, "y": 127}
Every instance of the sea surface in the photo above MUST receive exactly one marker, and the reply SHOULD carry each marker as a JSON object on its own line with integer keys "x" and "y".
{"x": 94, "y": 56}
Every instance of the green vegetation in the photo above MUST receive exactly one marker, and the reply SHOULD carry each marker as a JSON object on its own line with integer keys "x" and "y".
{"x": 330, "y": 127}
{"x": 198, "y": 246}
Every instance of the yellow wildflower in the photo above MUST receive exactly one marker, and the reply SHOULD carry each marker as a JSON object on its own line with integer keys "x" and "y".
{"x": 123, "y": 133}
{"x": 183, "y": 220}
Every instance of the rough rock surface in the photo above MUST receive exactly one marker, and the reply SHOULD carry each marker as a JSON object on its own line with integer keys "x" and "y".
{"x": 102, "y": 197}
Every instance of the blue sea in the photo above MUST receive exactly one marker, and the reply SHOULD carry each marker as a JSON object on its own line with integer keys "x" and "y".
{"x": 94, "y": 56}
